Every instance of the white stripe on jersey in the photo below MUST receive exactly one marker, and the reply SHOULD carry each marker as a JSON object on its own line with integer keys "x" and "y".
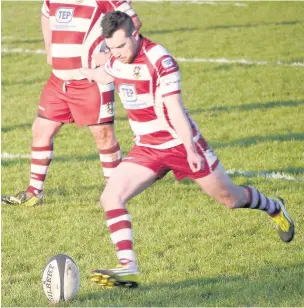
{"x": 169, "y": 144}
{"x": 143, "y": 101}
{"x": 144, "y": 128}
{"x": 66, "y": 50}
{"x": 156, "y": 52}
{"x": 75, "y": 25}
{"x": 159, "y": 110}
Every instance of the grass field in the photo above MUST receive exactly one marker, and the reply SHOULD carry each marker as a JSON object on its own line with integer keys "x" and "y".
{"x": 191, "y": 250}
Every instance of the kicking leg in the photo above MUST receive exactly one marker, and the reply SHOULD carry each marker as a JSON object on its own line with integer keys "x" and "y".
{"x": 219, "y": 186}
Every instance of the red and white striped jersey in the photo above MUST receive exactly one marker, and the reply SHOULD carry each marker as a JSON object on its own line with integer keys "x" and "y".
{"x": 76, "y": 31}
{"x": 142, "y": 86}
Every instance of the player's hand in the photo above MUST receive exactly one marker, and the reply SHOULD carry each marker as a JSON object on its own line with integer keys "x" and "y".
{"x": 101, "y": 58}
{"x": 195, "y": 161}
{"x": 88, "y": 72}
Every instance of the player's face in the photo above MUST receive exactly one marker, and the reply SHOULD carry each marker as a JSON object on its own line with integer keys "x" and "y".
{"x": 122, "y": 47}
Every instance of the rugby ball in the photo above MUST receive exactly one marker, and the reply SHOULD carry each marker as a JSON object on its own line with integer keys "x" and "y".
{"x": 60, "y": 278}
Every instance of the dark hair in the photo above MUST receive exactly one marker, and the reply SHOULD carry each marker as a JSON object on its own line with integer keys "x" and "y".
{"x": 114, "y": 21}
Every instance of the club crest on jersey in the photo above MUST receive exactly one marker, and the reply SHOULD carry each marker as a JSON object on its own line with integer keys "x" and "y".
{"x": 64, "y": 15}
{"x": 167, "y": 62}
{"x": 136, "y": 72}
{"x": 110, "y": 108}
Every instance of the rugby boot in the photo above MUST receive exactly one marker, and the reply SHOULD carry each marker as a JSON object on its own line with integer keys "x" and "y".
{"x": 283, "y": 222}
{"x": 126, "y": 276}
{"x": 23, "y": 198}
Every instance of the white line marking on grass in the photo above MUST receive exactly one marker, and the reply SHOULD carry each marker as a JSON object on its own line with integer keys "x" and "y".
{"x": 8, "y": 37}
{"x": 21, "y": 50}
{"x": 267, "y": 175}
{"x": 220, "y": 2}
{"x": 179, "y": 59}
{"x": 241, "y": 61}
{"x": 247, "y": 174}
{"x": 14, "y": 156}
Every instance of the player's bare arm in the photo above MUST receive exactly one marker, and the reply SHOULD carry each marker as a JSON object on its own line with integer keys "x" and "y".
{"x": 137, "y": 23}
{"x": 47, "y": 36}
{"x": 182, "y": 126}
{"x": 97, "y": 74}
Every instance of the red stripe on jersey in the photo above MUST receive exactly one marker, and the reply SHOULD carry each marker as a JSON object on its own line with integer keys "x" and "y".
{"x": 112, "y": 164}
{"x": 203, "y": 144}
{"x": 67, "y": 37}
{"x": 141, "y": 86}
{"x": 142, "y": 115}
{"x": 156, "y": 138}
{"x": 124, "y": 245}
{"x": 171, "y": 93}
{"x": 115, "y": 213}
{"x": 167, "y": 116}
{"x": 41, "y": 162}
{"x": 106, "y": 120}
{"x": 94, "y": 19}
{"x": 80, "y": 11}
{"x": 111, "y": 150}
{"x": 92, "y": 48}
{"x": 123, "y": 224}
{"x": 38, "y": 177}
{"x": 43, "y": 149}
{"x": 107, "y": 97}
{"x": 66, "y": 63}
{"x": 193, "y": 126}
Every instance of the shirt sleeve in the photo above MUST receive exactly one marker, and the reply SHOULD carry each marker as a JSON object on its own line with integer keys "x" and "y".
{"x": 123, "y": 6}
{"x": 45, "y": 10}
{"x": 169, "y": 76}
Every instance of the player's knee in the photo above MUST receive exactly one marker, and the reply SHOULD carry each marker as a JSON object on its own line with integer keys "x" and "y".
{"x": 227, "y": 198}
{"x": 104, "y": 136}
{"x": 43, "y": 132}
{"x": 110, "y": 200}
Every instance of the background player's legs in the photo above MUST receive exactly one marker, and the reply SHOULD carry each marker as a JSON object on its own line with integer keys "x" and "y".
{"x": 108, "y": 147}
{"x": 127, "y": 180}
{"x": 43, "y": 132}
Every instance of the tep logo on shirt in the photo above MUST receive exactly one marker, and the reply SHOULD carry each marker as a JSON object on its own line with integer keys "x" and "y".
{"x": 64, "y": 15}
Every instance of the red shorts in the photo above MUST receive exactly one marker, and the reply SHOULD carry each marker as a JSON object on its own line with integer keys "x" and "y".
{"x": 175, "y": 159}
{"x": 78, "y": 101}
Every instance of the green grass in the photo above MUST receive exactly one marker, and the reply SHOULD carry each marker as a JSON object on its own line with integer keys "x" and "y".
{"x": 191, "y": 251}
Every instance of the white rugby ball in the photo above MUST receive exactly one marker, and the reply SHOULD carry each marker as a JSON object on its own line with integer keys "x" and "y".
{"x": 60, "y": 278}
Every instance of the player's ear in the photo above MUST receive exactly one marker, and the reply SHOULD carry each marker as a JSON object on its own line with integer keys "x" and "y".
{"x": 135, "y": 34}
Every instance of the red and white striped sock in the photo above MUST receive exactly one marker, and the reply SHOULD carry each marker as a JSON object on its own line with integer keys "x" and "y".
{"x": 110, "y": 159}
{"x": 119, "y": 225}
{"x": 41, "y": 159}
